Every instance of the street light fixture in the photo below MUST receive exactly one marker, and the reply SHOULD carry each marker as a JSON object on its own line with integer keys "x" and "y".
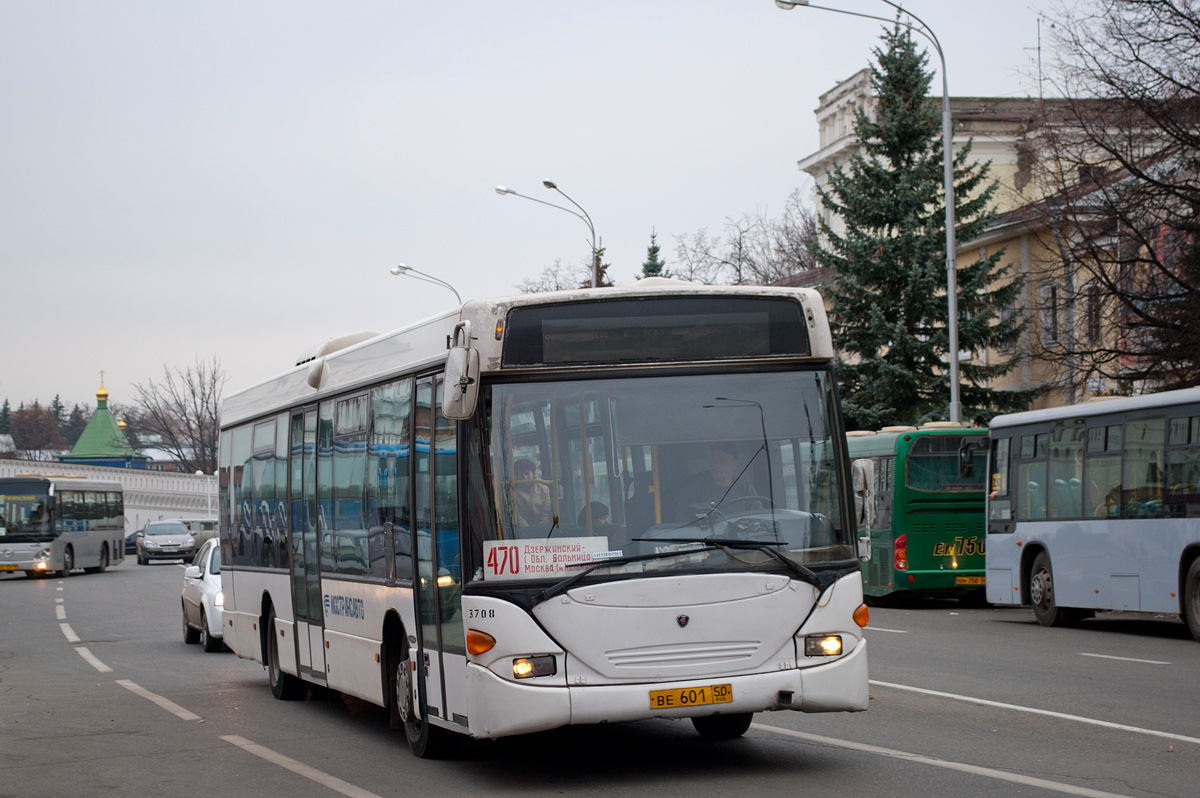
{"x": 947, "y": 178}
{"x": 401, "y": 268}
{"x": 581, "y": 214}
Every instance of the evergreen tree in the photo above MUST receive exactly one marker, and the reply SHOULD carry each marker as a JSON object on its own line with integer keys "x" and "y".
{"x": 5, "y": 417}
{"x": 653, "y": 267}
{"x": 75, "y": 425}
{"x": 59, "y": 410}
{"x": 887, "y": 296}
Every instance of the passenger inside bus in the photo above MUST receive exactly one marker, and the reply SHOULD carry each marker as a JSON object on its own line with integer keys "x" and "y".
{"x": 532, "y": 497}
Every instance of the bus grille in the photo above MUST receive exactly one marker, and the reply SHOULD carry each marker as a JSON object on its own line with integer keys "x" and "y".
{"x": 682, "y": 655}
{"x": 959, "y": 528}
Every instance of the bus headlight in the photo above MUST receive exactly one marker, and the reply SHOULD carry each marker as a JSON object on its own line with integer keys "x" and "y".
{"x": 44, "y": 554}
{"x": 823, "y": 645}
{"x": 529, "y": 667}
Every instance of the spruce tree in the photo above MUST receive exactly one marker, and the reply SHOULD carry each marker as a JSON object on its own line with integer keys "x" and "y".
{"x": 654, "y": 267}
{"x": 5, "y": 417}
{"x": 887, "y": 295}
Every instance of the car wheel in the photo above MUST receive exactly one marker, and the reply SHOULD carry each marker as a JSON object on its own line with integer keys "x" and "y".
{"x": 68, "y": 562}
{"x": 190, "y": 635}
{"x": 211, "y": 644}
{"x": 723, "y": 727}
{"x": 284, "y": 686}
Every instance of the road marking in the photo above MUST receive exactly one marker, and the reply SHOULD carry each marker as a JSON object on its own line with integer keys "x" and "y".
{"x": 58, "y": 601}
{"x": 1062, "y": 716}
{"x": 69, "y": 632}
{"x": 881, "y": 629}
{"x": 60, "y": 612}
{"x": 974, "y": 770}
{"x": 58, "y": 588}
{"x": 168, "y": 705}
{"x": 299, "y": 768}
{"x": 1125, "y": 659}
{"x": 92, "y": 660}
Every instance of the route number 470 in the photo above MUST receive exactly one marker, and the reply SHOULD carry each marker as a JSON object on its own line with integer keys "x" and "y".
{"x": 504, "y": 559}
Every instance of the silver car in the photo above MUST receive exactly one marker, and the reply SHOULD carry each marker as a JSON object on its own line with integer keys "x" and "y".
{"x": 165, "y": 540}
{"x": 203, "y": 601}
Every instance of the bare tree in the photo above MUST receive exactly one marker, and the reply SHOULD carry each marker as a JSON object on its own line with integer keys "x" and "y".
{"x": 754, "y": 249}
{"x": 35, "y": 431}
{"x": 1123, "y": 184}
{"x": 183, "y": 410}
{"x": 560, "y": 277}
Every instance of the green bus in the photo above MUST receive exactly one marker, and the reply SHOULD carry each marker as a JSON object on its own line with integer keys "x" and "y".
{"x": 920, "y": 491}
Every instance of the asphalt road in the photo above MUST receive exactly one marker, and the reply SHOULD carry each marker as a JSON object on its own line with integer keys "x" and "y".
{"x": 99, "y": 696}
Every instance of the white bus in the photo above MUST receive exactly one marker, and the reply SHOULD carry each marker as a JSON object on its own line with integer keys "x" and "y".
{"x": 1097, "y": 507}
{"x": 55, "y": 524}
{"x": 513, "y": 533}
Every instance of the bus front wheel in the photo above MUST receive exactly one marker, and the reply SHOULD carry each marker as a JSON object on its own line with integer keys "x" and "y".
{"x": 1191, "y": 599}
{"x": 426, "y": 740}
{"x": 723, "y": 727}
{"x": 68, "y": 562}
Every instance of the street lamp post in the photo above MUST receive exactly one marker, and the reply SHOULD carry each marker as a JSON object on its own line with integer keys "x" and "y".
{"x": 401, "y": 268}
{"x": 947, "y": 178}
{"x": 581, "y": 214}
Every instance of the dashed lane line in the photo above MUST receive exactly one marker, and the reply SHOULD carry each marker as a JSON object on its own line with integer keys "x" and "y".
{"x": 92, "y": 660}
{"x": 1125, "y": 659}
{"x": 299, "y": 768}
{"x": 69, "y": 632}
{"x": 1032, "y": 710}
{"x": 167, "y": 704}
{"x": 962, "y": 767}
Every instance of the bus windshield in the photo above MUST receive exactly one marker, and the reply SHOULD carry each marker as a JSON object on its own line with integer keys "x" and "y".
{"x": 934, "y": 463}
{"x": 588, "y": 470}
{"x": 23, "y": 516}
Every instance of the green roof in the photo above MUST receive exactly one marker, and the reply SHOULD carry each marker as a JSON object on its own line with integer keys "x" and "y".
{"x": 102, "y": 437}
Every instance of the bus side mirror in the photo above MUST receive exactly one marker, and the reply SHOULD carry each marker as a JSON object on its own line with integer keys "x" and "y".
{"x": 461, "y": 388}
{"x": 864, "y": 545}
{"x": 51, "y": 503}
{"x": 966, "y": 460}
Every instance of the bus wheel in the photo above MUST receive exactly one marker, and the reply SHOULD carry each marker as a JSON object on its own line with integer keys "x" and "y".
{"x": 68, "y": 562}
{"x": 1041, "y": 593}
{"x": 1191, "y": 599}
{"x": 284, "y": 686}
{"x": 426, "y": 740}
{"x": 103, "y": 566}
{"x": 723, "y": 727}
{"x": 190, "y": 635}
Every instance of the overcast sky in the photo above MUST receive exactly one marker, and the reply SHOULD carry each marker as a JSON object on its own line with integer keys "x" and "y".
{"x": 183, "y": 180}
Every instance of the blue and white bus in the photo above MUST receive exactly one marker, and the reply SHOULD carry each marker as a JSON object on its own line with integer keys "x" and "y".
{"x": 512, "y": 534}
{"x": 1097, "y": 507}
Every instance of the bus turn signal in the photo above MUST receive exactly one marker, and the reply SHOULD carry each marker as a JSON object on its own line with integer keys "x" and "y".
{"x": 479, "y": 642}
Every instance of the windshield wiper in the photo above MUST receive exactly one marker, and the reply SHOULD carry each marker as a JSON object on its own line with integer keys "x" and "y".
{"x": 818, "y": 580}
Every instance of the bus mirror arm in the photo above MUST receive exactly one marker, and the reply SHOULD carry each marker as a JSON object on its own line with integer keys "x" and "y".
{"x": 461, "y": 390}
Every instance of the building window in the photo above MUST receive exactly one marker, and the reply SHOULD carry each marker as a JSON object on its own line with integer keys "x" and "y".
{"x": 1091, "y": 313}
{"x": 1049, "y": 313}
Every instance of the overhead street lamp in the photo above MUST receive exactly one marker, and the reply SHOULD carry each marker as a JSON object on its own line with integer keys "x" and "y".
{"x": 947, "y": 177}
{"x": 581, "y": 214}
{"x": 400, "y": 269}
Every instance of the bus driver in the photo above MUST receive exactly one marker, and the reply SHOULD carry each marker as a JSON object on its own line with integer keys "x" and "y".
{"x": 719, "y": 485}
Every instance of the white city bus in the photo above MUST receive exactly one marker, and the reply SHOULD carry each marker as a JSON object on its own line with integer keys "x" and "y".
{"x": 1096, "y": 507}
{"x": 55, "y": 524}
{"x": 512, "y": 534}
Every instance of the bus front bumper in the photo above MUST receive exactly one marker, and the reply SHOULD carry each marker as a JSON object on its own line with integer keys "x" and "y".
{"x": 500, "y": 708}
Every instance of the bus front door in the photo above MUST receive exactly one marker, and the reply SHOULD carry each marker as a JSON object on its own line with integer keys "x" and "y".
{"x": 306, "y": 578}
{"x": 441, "y": 654}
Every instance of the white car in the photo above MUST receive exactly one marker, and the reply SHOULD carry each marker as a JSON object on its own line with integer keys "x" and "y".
{"x": 203, "y": 601}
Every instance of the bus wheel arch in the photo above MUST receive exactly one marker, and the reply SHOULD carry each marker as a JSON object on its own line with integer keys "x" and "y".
{"x": 1028, "y": 555}
{"x": 284, "y": 686}
{"x": 395, "y": 654}
{"x": 1190, "y": 601}
{"x": 104, "y": 560}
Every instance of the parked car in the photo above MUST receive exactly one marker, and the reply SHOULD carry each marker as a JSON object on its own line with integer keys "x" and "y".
{"x": 202, "y": 599}
{"x": 165, "y": 540}
{"x": 131, "y": 542}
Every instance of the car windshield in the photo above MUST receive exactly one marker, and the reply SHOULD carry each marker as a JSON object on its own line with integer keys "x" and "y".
{"x": 166, "y": 529}
{"x": 589, "y": 470}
